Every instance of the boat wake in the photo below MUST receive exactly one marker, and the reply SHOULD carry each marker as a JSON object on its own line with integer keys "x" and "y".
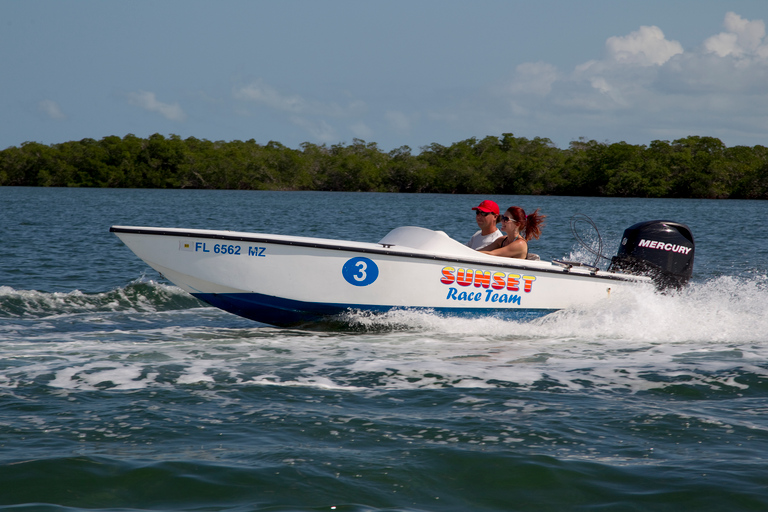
{"x": 710, "y": 338}
{"x": 722, "y": 309}
{"x": 139, "y": 296}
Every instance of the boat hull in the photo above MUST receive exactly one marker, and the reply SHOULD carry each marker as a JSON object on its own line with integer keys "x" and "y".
{"x": 285, "y": 280}
{"x": 284, "y": 312}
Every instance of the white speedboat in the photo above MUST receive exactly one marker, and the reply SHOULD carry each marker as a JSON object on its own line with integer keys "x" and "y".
{"x": 292, "y": 280}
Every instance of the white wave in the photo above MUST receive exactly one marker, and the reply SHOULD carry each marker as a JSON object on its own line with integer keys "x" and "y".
{"x": 722, "y": 309}
{"x": 133, "y": 298}
{"x": 708, "y": 335}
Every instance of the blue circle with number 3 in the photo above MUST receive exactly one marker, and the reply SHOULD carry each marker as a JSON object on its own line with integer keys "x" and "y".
{"x": 360, "y": 271}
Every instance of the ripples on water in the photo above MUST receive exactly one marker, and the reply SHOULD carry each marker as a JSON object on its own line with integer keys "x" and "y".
{"x": 403, "y": 411}
{"x": 615, "y": 345}
{"x": 138, "y": 396}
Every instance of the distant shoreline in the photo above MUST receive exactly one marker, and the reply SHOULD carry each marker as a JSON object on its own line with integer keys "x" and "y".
{"x": 693, "y": 167}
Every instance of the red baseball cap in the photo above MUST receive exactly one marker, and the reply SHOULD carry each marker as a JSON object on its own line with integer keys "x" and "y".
{"x": 488, "y": 206}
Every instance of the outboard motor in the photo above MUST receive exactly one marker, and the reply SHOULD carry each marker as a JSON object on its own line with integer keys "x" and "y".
{"x": 660, "y": 249}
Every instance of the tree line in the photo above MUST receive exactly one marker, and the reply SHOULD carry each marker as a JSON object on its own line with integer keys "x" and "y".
{"x": 693, "y": 167}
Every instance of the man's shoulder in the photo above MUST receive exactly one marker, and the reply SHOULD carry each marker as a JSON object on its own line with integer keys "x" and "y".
{"x": 491, "y": 237}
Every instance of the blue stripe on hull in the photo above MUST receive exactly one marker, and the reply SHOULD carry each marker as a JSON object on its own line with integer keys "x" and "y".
{"x": 285, "y": 312}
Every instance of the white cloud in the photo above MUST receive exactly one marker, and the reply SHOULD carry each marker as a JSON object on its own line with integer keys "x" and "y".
{"x": 708, "y": 73}
{"x": 312, "y": 115}
{"x": 618, "y": 82}
{"x": 51, "y": 109}
{"x": 647, "y": 83}
{"x": 319, "y": 130}
{"x": 149, "y": 102}
{"x": 260, "y": 92}
{"x": 398, "y": 121}
{"x": 723, "y": 44}
{"x": 534, "y": 78}
{"x": 644, "y": 47}
{"x": 742, "y": 38}
{"x": 361, "y": 131}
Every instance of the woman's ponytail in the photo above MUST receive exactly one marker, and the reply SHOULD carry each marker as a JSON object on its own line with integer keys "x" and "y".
{"x": 534, "y": 223}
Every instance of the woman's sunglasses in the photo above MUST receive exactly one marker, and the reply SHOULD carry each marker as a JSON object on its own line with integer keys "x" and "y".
{"x": 504, "y": 218}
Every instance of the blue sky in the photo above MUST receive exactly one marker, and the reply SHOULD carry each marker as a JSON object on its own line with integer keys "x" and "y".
{"x": 397, "y": 72}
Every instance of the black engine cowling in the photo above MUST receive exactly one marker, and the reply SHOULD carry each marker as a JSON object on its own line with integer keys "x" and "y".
{"x": 660, "y": 249}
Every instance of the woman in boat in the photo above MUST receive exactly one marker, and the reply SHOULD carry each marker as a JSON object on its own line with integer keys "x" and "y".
{"x": 513, "y": 223}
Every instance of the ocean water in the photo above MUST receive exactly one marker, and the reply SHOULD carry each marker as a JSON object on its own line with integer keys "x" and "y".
{"x": 118, "y": 391}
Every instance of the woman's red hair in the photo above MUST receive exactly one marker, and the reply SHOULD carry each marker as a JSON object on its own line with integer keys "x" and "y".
{"x": 530, "y": 225}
